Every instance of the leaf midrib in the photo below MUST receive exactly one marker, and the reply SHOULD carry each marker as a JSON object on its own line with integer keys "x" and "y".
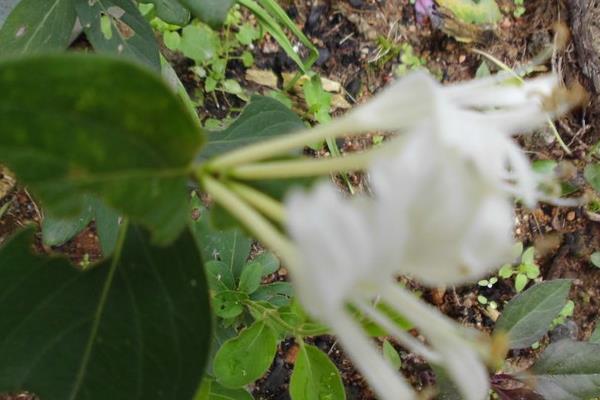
{"x": 40, "y": 25}
{"x": 98, "y": 313}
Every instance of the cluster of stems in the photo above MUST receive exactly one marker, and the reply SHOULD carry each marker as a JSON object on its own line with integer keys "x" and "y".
{"x": 227, "y": 178}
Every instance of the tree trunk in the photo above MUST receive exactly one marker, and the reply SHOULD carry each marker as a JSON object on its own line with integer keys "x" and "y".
{"x": 585, "y": 23}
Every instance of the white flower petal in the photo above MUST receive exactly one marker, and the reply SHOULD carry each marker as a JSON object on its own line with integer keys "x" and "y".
{"x": 387, "y": 383}
{"x": 402, "y": 105}
{"x": 489, "y": 241}
{"x": 334, "y": 243}
{"x": 460, "y": 358}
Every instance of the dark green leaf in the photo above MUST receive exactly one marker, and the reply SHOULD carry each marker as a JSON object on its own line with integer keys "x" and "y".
{"x": 213, "y": 390}
{"x": 130, "y": 34}
{"x": 247, "y": 357}
{"x": 170, "y": 11}
{"x": 213, "y": 12}
{"x": 568, "y": 370}
{"x": 32, "y": 27}
{"x": 262, "y": 118}
{"x": 231, "y": 247}
{"x": 527, "y": 317}
{"x": 76, "y": 124}
{"x": 250, "y": 277}
{"x": 135, "y": 327}
{"x": 315, "y": 376}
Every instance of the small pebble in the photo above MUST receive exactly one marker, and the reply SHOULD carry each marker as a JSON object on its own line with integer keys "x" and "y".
{"x": 571, "y": 216}
{"x": 462, "y": 58}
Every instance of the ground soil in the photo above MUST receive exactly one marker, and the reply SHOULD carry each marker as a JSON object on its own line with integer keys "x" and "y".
{"x": 346, "y": 33}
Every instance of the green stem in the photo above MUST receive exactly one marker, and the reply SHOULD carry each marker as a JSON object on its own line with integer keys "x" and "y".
{"x": 263, "y": 203}
{"x": 280, "y": 145}
{"x": 274, "y": 315}
{"x": 305, "y": 167}
{"x": 261, "y": 228}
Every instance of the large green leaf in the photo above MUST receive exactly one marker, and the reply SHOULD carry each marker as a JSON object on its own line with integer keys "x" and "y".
{"x": 213, "y": 12}
{"x": 33, "y": 27}
{"x": 170, "y": 11}
{"x": 262, "y": 119}
{"x": 315, "y": 376}
{"x": 527, "y": 317}
{"x": 567, "y": 370}
{"x": 247, "y": 357}
{"x": 117, "y": 27}
{"x": 75, "y": 124}
{"x": 134, "y": 327}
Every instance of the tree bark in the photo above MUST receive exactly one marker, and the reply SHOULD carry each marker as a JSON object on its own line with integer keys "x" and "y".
{"x": 585, "y": 23}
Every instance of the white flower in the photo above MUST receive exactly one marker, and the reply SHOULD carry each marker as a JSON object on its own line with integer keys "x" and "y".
{"x": 441, "y": 212}
{"x": 338, "y": 267}
{"x": 476, "y": 119}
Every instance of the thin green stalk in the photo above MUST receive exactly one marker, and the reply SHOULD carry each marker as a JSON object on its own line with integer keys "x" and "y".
{"x": 517, "y": 76}
{"x": 274, "y": 315}
{"x": 260, "y": 227}
{"x": 305, "y": 167}
{"x": 274, "y": 29}
{"x": 282, "y": 144}
{"x": 263, "y": 203}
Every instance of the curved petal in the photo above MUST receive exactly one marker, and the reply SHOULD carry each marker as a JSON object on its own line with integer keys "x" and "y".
{"x": 387, "y": 383}
{"x": 460, "y": 358}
